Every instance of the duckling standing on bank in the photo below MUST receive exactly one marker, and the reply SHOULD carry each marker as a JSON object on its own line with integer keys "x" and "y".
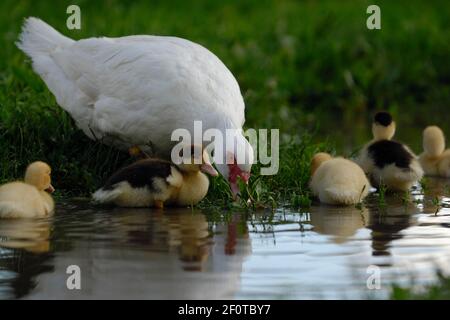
{"x": 337, "y": 180}
{"x": 155, "y": 182}
{"x": 435, "y": 160}
{"x": 388, "y": 162}
{"x": 28, "y": 199}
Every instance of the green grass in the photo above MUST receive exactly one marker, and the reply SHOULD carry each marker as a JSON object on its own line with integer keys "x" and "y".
{"x": 440, "y": 290}
{"x": 302, "y": 66}
{"x": 289, "y": 186}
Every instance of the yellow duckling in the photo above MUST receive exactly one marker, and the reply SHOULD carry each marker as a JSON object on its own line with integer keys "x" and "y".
{"x": 383, "y": 126}
{"x": 28, "y": 199}
{"x": 155, "y": 182}
{"x": 388, "y": 162}
{"x": 337, "y": 181}
{"x": 435, "y": 160}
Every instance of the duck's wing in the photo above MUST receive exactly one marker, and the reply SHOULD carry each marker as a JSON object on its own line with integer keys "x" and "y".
{"x": 140, "y": 174}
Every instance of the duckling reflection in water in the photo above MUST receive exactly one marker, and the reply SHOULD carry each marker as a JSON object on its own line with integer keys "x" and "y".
{"x": 339, "y": 222}
{"x": 386, "y": 225}
{"x": 194, "y": 240}
{"x": 186, "y": 232}
{"x": 436, "y": 195}
{"x": 32, "y": 235}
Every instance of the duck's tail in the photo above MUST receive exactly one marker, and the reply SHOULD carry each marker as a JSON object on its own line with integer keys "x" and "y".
{"x": 10, "y": 209}
{"x": 38, "y": 38}
{"x": 105, "y": 196}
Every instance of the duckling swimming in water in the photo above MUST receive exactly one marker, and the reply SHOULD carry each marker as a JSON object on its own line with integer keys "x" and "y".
{"x": 388, "y": 162}
{"x": 435, "y": 160}
{"x": 337, "y": 180}
{"x": 155, "y": 182}
{"x": 28, "y": 199}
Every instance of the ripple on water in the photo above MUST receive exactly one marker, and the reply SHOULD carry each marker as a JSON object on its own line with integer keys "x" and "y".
{"x": 323, "y": 252}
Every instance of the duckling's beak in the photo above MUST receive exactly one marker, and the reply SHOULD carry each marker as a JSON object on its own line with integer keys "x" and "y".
{"x": 50, "y": 189}
{"x": 209, "y": 169}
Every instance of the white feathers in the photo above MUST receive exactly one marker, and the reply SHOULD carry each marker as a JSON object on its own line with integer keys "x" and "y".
{"x": 134, "y": 90}
{"x": 38, "y": 38}
{"x": 106, "y": 196}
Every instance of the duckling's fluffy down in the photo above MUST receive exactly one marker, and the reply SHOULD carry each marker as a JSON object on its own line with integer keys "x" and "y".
{"x": 21, "y": 200}
{"x": 435, "y": 160}
{"x": 340, "y": 181}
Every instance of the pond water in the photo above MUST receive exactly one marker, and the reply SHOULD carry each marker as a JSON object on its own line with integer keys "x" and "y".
{"x": 321, "y": 252}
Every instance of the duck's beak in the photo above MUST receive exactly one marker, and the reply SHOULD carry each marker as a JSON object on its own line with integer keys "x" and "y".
{"x": 50, "y": 189}
{"x": 209, "y": 169}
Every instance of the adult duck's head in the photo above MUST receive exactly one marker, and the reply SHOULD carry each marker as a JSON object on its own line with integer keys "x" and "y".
{"x": 383, "y": 127}
{"x": 235, "y": 160}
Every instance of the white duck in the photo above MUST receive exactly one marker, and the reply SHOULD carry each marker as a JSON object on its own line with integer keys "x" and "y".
{"x": 135, "y": 91}
{"x": 435, "y": 160}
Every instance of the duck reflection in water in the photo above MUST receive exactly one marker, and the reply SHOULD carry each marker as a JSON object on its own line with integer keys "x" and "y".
{"x": 31, "y": 235}
{"x": 339, "y": 222}
{"x": 436, "y": 194}
{"x": 143, "y": 253}
{"x": 186, "y": 232}
{"x": 387, "y": 221}
{"x": 24, "y": 254}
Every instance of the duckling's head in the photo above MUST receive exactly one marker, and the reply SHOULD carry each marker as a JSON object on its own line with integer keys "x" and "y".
{"x": 38, "y": 175}
{"x": 383, "y": 127}
{"x": 433, "y": 141}
{"x": 196, "y": 159}
{"x": 318, "y": 159}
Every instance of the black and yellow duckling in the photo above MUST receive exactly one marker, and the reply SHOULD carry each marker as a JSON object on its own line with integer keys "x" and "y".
{"x": 388, "y": 162}
{"x": 435, "y": 160}
{"x": 155, "y": 182}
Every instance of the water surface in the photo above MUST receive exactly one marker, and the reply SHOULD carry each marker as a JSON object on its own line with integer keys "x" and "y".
{"x": 321, "y": 252}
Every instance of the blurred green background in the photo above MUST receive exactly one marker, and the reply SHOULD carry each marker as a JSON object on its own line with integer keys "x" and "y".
{"x": 303, "y": 66}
